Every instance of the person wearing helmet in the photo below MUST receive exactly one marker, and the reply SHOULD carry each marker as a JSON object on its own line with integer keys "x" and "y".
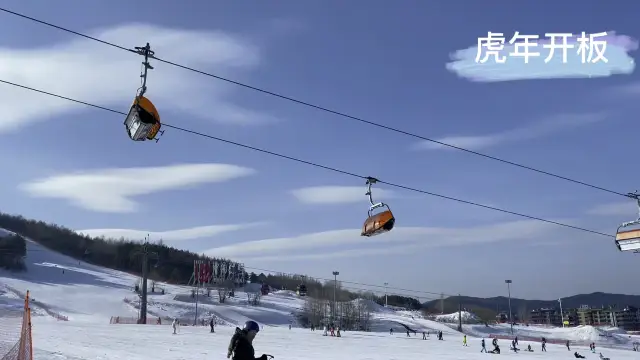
{"x": 241, "y": 345}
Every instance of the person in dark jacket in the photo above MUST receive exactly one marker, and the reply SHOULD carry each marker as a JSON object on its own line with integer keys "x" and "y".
{"x": 241, "y": 344}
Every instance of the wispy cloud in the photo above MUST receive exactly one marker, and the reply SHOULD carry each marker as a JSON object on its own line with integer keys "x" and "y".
{"x": 169, "y": 235}
{"x": 95, "y": 73}
{"x": 113, "y": 190}
{"x": 629, "y": 89}
{"x": 546, "y": 126}
{"x": 625, "y": 208}
{"x": 405, "y": 240}
{"x": 338, "y": 194}
{"x": 464, "y": 62}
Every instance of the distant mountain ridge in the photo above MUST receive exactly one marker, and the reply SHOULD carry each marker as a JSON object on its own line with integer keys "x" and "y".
{"x": 487, "y": 308}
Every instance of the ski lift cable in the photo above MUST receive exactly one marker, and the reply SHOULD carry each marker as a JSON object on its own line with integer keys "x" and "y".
{"x": 325, "y": 167}
{"x": 322, "y": 108}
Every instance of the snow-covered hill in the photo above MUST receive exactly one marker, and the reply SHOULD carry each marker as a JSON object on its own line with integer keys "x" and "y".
{"x": 466, "y": 316}
{"x": 64, "y": 287}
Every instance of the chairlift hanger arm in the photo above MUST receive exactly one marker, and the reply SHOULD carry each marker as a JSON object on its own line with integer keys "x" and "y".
{"x": 630, "y": 223}
{"x": 634, "y": 195}
{"x": 147, "y": 53}
{"x": 371, "y": 181}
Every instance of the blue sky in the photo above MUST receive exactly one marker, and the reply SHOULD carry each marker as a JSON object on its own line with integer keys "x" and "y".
{"x": 72, "y": 165}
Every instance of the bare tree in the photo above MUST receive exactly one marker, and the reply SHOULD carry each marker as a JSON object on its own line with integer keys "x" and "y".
{"x": 363, "y": 316}
{"x": 314, "y": 312}
{"x": 346, "y": 312}
{"x": 253, "y": 298}
{"x": 223, "y": 290}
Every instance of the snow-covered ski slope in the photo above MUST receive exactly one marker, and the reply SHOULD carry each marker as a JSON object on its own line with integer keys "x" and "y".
{"x": 88, "y": 296}
{"x": 75, "y": 340}
{"x": 609, "y": 337}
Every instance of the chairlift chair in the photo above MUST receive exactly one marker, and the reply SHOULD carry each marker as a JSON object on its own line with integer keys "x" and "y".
{"x": 377, "y": 222}
{"x": 628, "y": 233}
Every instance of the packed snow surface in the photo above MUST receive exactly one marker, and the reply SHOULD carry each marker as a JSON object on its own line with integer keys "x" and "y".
{"x": 88, "y": 296}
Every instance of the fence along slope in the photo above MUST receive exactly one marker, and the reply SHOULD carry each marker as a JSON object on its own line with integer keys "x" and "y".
{"x": 23, "y": 348}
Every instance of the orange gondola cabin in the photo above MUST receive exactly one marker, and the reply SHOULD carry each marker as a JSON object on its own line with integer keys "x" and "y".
{"x": 143, "y": 121}
{"x": 377, "y": 223}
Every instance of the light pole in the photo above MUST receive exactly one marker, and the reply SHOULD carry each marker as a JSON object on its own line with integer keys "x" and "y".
{"x": 335, "y": 285}
{"x": 561, "y": 314}
{"x": 142, "y": 318}
{"x": 508, "y": 282}
{"x": 385, "y": 294}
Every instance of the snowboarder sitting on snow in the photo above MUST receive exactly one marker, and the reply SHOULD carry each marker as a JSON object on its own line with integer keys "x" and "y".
{"x": 529, "y": 349}
{"x": 578, "y": 356}
{"x": 603, "y": 358}
{"x": 496, "y": 349}
{"x": 241, "y": 344}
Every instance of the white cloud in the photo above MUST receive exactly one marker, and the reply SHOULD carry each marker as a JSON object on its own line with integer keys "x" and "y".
{"x": 540, "y": 128}
{"x": 112, "y": 190}
{"x": 404, "y": 239}
{"x": 99, "y": 74}
{"x": 626, "y": 208}
{"x": 169, "y": 235}
{"x": 339, "y": 194}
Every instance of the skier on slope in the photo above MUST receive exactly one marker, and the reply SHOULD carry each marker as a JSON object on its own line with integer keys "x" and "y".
{"x": 514, "y": 347}
{"x": 175, "y": 324}
{"x": 484, "y": 346}
{"x": 241, "y": 344}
